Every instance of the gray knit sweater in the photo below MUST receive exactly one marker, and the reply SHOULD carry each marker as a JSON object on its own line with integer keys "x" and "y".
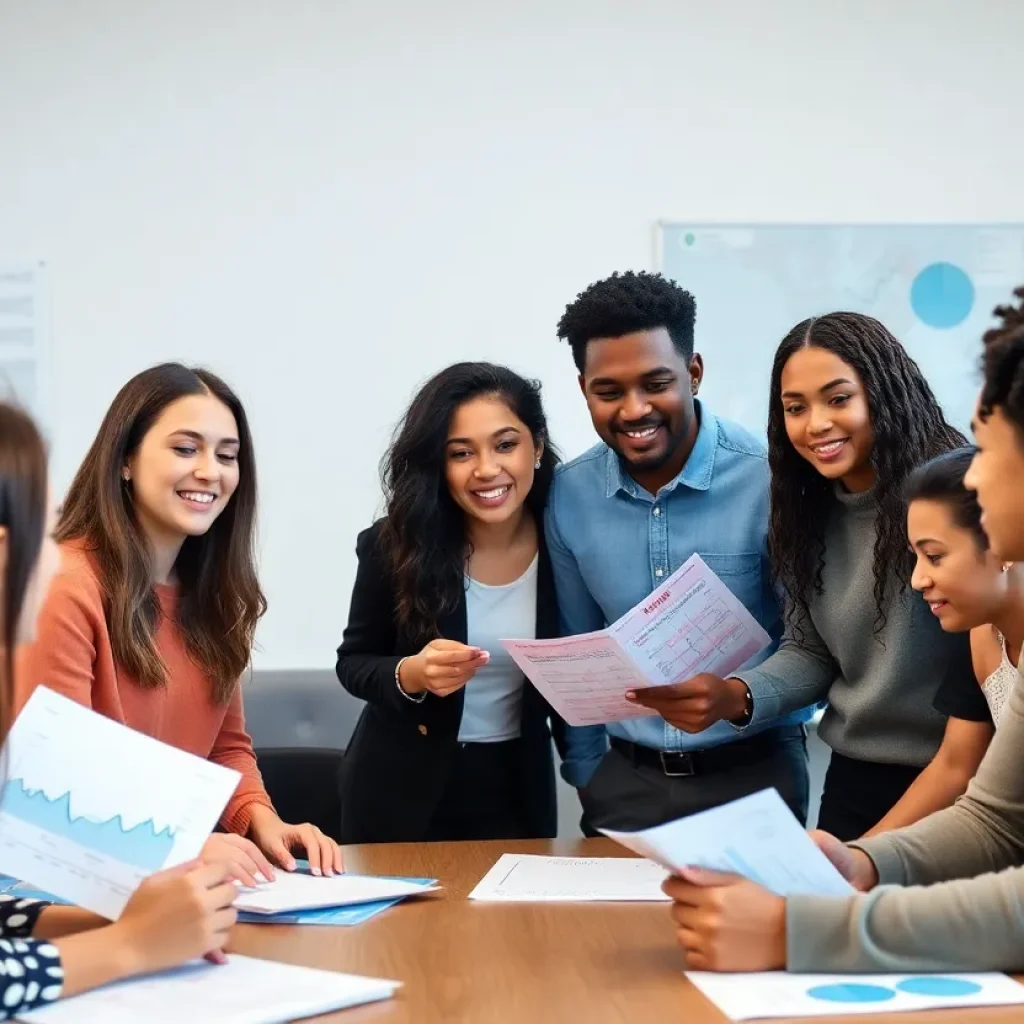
{"x": 974, "y": 923}
{"x": 879, "y": 687}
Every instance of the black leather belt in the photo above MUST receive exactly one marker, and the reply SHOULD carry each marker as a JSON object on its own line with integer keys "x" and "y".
{"x": 685, "y": 763}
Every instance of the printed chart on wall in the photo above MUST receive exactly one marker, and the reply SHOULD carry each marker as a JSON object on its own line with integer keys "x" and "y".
{"x": 933, "y": 286}
{"x": 24, "y": 342}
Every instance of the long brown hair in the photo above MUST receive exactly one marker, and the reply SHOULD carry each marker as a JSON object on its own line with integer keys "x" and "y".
{"x": 220, "y": 598}
{"x": 23, "y": 497}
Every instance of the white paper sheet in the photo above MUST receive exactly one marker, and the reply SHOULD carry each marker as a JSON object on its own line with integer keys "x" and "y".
{"x": 691, "y": 624}
{"x": 778, "y": 994}
{"x": 242, "y": 991}
{"x": 756, "y": 836}
{"x": 290, "y": 892}
{"x": 527, "y": 878}
{"x": 87, "y": 810}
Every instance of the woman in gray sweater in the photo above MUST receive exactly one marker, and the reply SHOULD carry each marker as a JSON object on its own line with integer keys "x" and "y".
{"x": 946, "y": 893}
{"x": 850, "y": 416}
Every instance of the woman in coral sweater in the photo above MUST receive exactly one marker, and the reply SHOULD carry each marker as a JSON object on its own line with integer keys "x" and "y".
{"x": 151, "y": 619}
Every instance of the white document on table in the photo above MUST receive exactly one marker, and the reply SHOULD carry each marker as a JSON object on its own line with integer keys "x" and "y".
{"x": 291, "y": 892}
{"x": 527, "y": 878}
{"x": 756, "y": 836}
{"x": 780, "y": 994}
{"x": 242, "y": 991}
{"x": 691, "y": 624}
{"x": 90, "y": 808}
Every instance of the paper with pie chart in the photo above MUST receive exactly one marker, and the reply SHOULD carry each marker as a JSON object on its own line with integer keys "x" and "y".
{"x": 764, "y": 996}
{"x": 89, "y": 807}
{"x": 690, "y": 624}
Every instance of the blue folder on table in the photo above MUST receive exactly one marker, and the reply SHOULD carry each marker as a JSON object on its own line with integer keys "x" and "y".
{"x": 338, "y": 916}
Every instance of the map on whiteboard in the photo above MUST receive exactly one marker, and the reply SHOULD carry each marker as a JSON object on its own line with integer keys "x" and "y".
{"x": 934, "y": 287}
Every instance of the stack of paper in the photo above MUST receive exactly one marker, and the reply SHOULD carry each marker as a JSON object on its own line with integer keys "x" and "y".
{"x": 524, "y": 878}
{"x": 338, "y": 916}
{"x": 242, "y": 991}
{"x": 778, "y": 994}
{"x": 289, "y": 893}
{"x": 756, "y": 836}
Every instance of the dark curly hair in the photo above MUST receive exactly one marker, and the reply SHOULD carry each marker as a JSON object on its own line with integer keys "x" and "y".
{"x": 624, "y": 303}
{"x": 424, "y": 535}
{"x": 909, "y": 428}
{"x": 1003, "y": 365}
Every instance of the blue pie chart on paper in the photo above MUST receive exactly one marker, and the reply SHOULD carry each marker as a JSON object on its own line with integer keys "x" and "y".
{"x": 852, "y": 992}
{"x": 942, "y": 295}
{"x": 937, "y": 985}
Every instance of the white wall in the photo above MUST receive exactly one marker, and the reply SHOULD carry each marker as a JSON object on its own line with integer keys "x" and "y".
{"x": 326, "y": 201}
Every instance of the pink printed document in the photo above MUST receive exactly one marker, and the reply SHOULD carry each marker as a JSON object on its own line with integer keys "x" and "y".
{"x": 691, "y": 624}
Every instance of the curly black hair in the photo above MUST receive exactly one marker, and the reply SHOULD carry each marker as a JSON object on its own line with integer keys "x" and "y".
{"x": 1003, "y": 364}
{"x": 909, "y": 428}
{"x": 424, "y": 535}
{"x": 624, "y": 303}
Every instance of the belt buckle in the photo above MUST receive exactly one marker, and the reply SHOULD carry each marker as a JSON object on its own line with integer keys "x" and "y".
{"x": 681, "y": 762}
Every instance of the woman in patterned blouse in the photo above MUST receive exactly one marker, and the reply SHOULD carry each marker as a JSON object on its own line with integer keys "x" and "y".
{"x": 47, "y": 951}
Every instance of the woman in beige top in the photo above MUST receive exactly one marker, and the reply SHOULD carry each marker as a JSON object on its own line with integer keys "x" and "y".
{"x": 961, "y": 869}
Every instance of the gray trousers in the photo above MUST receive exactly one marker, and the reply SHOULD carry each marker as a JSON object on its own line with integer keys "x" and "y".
{"x": 627, "y": 797}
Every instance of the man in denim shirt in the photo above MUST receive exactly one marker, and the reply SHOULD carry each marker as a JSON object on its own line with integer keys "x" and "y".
{"x": 667, "y": 480}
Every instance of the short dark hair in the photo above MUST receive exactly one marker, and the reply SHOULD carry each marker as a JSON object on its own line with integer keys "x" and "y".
{"x": 942, "y": 479}
{"x": 624, "y": 303}
{"x": 1003, "y": 364}
{"x": 424, "y": 534}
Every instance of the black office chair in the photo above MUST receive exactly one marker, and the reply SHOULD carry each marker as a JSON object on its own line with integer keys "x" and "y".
{"x": 303, "y": 784}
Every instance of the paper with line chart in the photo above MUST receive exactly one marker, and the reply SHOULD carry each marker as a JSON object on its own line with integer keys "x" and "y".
{"x": 89, "y": 807}
{"x": 691, "y": 624}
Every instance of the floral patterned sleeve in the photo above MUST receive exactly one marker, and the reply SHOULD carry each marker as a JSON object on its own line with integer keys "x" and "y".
{"x": 31, "y": 974}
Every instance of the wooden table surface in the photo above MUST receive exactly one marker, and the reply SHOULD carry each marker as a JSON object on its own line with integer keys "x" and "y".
{"x": 532, "y": 962}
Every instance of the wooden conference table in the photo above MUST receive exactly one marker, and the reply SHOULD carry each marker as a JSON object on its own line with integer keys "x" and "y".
{"x": 528, "y": 962}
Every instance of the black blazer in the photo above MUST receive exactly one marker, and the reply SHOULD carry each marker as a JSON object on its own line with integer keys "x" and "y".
{"x": 401, "y": 754}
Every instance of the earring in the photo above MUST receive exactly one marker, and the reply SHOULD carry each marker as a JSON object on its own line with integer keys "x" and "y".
{"x": 694, "y": 387}
{"x": 1007, "y": 566}
{"x": 536, "y": 465}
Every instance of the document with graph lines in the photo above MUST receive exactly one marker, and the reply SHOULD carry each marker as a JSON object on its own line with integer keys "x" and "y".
{"x": 691, "y": 624}
{"x": 89, "y": 807}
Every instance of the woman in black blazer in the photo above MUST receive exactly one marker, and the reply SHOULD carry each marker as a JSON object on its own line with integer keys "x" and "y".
{"x": 453, "y": 742}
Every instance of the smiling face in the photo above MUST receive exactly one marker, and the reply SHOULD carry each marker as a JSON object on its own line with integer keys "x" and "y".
{"x": 827, "y": 417}
{"x": 185, "y": 469}
{"x": 639, "y": 391}
{"x": 489, "y": 460}
{"x": 997, "y": 476}
{"x": 963, "y": 583}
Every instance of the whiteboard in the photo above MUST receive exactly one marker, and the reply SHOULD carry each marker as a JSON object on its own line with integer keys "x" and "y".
{"x": 933, "y": 286}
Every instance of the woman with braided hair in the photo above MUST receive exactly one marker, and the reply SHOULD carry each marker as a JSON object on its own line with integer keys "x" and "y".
{"x": 850, "y": 417}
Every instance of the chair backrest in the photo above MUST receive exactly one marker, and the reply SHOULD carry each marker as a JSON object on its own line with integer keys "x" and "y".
{"x": 303, "y": 784}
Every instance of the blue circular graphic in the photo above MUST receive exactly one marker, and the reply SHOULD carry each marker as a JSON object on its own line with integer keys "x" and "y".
{"x": 851, "y": 993}
{"x": 942, "y": 295}
{"x": 939, "y": 986}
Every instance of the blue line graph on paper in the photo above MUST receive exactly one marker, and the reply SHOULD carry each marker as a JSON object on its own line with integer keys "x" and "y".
{"x": 141, "y": 845}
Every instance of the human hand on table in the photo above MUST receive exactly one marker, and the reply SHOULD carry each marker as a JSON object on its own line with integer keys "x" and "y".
{"x": 441, "y": 668}
{"x": 278, "y": 840}
{"x": 242, "y": 856}
{"x": 695, "y": 704}
{"x": 726, "y": 923}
